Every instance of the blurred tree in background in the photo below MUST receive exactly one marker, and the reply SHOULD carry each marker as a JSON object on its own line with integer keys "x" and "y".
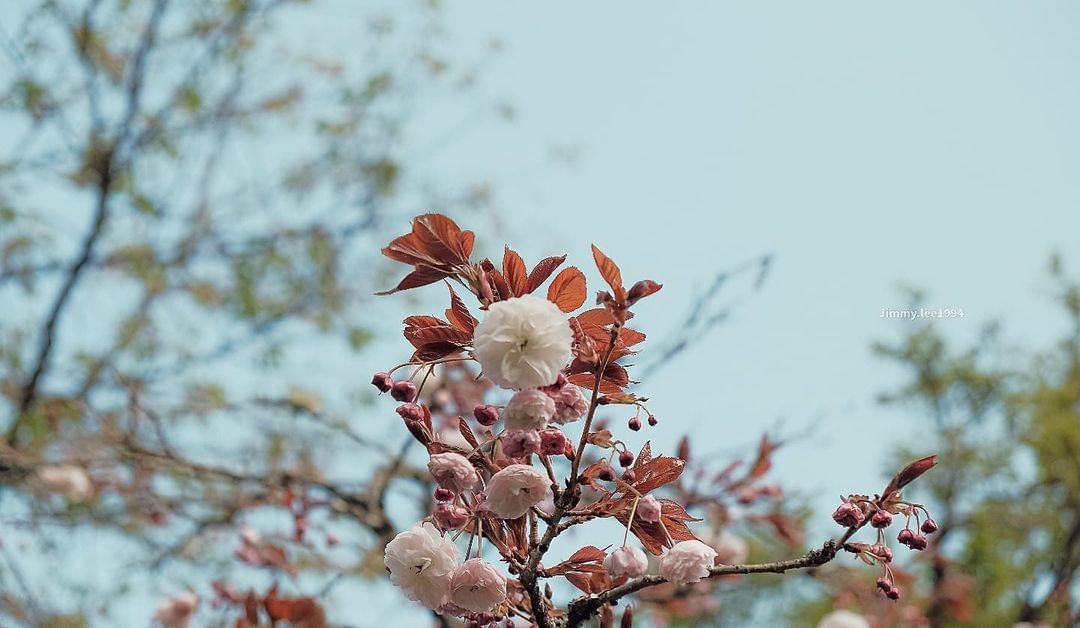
{"x": 1006, "y": 424}
{"x": 187, "y": 192}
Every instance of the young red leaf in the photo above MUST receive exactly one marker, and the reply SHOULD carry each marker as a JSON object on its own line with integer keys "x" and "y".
{"x": 422, "y": 276}
{"x": 908, "y": 474}
{"x": 442, "y": 238}
{"x": 542, "y": 271}
{"x": 609, "y": 270}
{"x": 514, "y": 271}
{"x": 458, "y": 314}
{"x": 587, "y": 554}
{"x": 567, "y": 289}
{"x": 467, "y": 433}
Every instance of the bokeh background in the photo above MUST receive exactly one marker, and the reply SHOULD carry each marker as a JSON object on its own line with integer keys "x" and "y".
{"x": 786, "y": 169}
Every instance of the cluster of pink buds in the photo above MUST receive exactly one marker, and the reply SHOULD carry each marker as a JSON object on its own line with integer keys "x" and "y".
{"x": 857, "y": 510}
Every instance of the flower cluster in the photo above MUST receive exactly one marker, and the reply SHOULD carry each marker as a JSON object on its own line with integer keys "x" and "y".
{"x": 514, "y": 472}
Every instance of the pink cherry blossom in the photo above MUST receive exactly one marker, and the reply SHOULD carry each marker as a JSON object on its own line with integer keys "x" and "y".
{"x": 515, "y": 489}
{"x": 421, "y": 563}
{"x": 477, "y": 586}
{"x": 626, "y": 561}
{"x": 529, "y": 410}
{"x": 453, "y": 471}
{"x": 570, "y": 404}
{"x": 520, "y": 443}
{"x": 687, "y": 562}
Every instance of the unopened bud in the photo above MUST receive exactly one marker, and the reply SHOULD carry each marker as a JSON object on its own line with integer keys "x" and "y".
{"x": 626, "y": 458}
{"x": 884, "y": 584}
{"x": 881, "y": 519}
{"x": 905, "y": 536}
{"x": 893, "y": 593}
{"x": 652, "y": 420}
{"x": 648, "y": 509}
{"x": 403, "y": 390}
{"x": 848, "y": 515}
{"x": 629, "y": 476}
{"x": 634, "y": 423}
{"x": 606, "y": 474}
{"x": 382, "y": 381}
{"x": 450, "y": 517}
{"x": 919, "y": 543}
{"x": 410, "y": 412}
{"x": 929, "y": 526}
{"x": 882, "y": 552}
{"x": 627, "y": 618}
{"x": 486, "y": 415}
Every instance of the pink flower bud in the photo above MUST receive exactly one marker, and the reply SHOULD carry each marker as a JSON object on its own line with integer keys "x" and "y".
{"x": 648, "y": 509}
{"x": 848, "y": 515}
{"x": 634, "y": 423}
{"x": 410, "y": 412}
{"x": 605, "y": 474}
{"x": 552, "y": 442}
{"x": 881, "y": 519}
{"x": 929, "y": 526}
{"x": 626, "y": 561}
{"x": 403, "y": 391}
{"x": 486, "y": 415}
{"x": 918, "y": 543}
{"x": 626, "y": 458}
{"x": 652, "y": 420}
{"x": 520, "y": 443}
{"x": 893, "y": 593}
{"x": 382, "y": 381}
{"x": 882, "y": 552}
{"x": 449, "y": 516}
{"x": 443, "y": 494}
{"x": 629, "y": 476}
{"x": 884, "y": 584}
{"x": 905, "y": 536}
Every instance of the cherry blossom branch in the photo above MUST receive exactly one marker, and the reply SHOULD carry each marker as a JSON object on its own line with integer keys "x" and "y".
{"x": 583, "y": 608}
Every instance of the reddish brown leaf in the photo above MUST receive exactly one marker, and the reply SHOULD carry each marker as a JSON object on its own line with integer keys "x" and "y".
{"x": 763, "y": 462}
{"x": 458, "y": 314}
{"x": 422, "y": 276}
{"x": 609, "y": 270}
{"x": 542, "y": 271}
{"x": 467, "y": 433}
{"x": 499, "y": 285}
{"x": 658, "y": 472}
{"x": 587, "y": 554}
{"x": 514, "y": 271}
{"x": 434, "y": 351}
{"x": 441, "y": 238}
{"x": 910, "y": 473}
{"x": 300, "y": 612}
{"x": 588, "y": 380}
{"x": 581, "y": 581}
{"x": 420, "y": 336}
{"x": 567, "y": 289}
{"x": 642, "y": 289}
